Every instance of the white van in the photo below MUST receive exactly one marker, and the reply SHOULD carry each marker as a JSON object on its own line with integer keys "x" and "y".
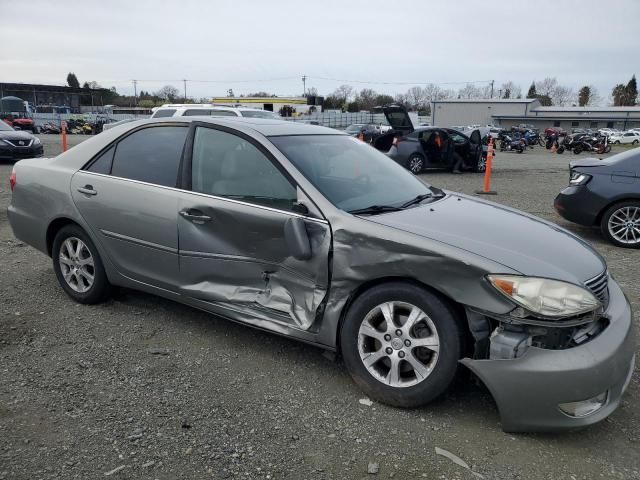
{"x": 198, "y": 109}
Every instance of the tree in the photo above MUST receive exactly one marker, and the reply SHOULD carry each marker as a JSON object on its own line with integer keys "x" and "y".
{"x": 619, "y": 94}
{"x": 532, "y": 91}
{"x": 168, "y": 92}
{"x": 510, "y": 90}
{"x": 563, "y": 96}
{"x": 547, "y": 86}
{"x": 584, "y": 95}
{"x": 312, "y": 92}
{"x": 469, "y": 91}
{"x": 366, "y": 99}
{"x": 631, "y": 92}
{"x": 344, "y": 91}
{"x": 72, "y": 80}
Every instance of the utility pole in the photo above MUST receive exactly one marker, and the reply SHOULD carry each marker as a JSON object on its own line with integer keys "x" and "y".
{"x": 304, "y": 85}
{"x": 135, "y": 93}
{"x": 185, "y": 91}
{"x": 491, "y": 88}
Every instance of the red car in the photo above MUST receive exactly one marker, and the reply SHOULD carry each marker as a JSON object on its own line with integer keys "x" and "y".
{"x": 21, "y": 123}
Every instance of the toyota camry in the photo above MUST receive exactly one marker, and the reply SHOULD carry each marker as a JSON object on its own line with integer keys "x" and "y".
{"x": 307, "y": 232}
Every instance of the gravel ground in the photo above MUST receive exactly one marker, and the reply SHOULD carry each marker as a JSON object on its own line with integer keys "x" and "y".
{"x": 144, "y": 388}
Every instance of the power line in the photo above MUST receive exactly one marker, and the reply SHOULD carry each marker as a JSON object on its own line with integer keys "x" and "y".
{"x": 398, "y": 83}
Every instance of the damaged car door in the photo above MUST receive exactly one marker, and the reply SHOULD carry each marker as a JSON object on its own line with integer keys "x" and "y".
{"x": 246, "y": 244}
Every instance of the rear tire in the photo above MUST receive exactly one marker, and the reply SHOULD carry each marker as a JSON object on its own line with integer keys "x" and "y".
{"x": 78, "y": 266}
{"x": 635, "y": 142}
{"x": 614, "y": 220}
{"x": 396, "y": 363}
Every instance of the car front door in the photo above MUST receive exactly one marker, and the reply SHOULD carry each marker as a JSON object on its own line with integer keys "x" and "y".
{"x": 128, "y": 198}
{"x": 234, "y": 251}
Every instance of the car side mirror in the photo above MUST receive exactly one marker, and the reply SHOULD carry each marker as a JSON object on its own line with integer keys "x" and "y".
{"x": 297, "y": 238}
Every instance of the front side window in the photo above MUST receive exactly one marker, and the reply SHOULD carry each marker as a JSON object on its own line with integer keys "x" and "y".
{"x": 349, "y": 173}
{"x": 151, "y": 155}
{"x": 226, "y": 165}
{"x": 166, "y": 112}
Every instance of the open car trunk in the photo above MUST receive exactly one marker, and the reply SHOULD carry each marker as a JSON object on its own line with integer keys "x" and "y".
{"x": 400, "y": 122}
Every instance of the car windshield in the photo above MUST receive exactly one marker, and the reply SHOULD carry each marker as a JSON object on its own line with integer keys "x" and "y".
{"x": 258, "y": 114}
{"x": 4, "y": 127}
{"x": 351, "y": 174}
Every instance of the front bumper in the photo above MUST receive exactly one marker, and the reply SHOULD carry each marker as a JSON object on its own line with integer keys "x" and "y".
{"x": 8, "y": 152}
{"x": 528, "y": 389}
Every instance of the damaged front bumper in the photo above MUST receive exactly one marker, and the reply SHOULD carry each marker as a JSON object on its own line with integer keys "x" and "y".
{"x": 529, "y": 389}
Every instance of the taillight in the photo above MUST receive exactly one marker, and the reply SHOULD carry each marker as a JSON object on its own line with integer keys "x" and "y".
{"x": 12, "y": 179}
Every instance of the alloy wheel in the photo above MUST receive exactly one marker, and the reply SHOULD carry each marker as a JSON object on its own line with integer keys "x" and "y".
{"x": 76, "y": 264}
{"x": 624, "y": 225}
{"x": 415, "y": 164}
{"x": 398, "y": 344}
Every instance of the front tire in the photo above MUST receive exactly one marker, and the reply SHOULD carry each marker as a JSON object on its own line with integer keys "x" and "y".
{"x": 415, "y": 163}
{"x": 620, "y": 224}
{"x": 401, "y": 344}
{"x": 78, "y": 266}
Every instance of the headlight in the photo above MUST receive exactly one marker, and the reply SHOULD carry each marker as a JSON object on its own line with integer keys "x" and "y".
{"x": 549, "y": 298}
{"x": 579, "y": 178}
{"x": 36, "y": 141}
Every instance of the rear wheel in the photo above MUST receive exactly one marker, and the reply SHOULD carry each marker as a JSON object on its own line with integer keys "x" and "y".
{"x": 482, "y": 164}
{"x": 560, "y": 150}
{"x": 78, "y": 266}
{"x": 401, "y": 344}
{"x": 577, "y": 149}
{"x": 415, "y": 163}
{"x": 635, "y": 142}
{"x": 620, "y": 224}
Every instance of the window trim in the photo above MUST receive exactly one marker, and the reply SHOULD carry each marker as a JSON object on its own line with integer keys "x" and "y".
{"x": 117, "y": 141}
{"x": 214, "y": 197}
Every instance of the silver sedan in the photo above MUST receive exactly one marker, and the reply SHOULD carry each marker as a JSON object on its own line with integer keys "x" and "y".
{"x": 306, "y": 232}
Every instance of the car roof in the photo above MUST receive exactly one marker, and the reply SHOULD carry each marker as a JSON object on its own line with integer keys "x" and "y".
{"x": 264, "y": 126}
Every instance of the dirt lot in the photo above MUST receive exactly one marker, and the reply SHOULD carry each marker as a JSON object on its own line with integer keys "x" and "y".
{"x": 161, "y": 391}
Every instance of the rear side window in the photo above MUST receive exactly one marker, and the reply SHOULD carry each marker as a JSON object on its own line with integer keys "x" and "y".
{"x": 167, "y": 112}
{"x": 223, "y": 113}
{"x": 102, "y": 164}
{"x": 151, "y": 155}
{"x": 196, "y": 111}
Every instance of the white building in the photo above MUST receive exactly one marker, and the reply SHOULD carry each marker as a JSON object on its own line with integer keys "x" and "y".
{"x": 510, "y": 112}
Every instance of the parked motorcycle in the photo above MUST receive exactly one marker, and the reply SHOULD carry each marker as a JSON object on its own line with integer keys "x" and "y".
{"x": 49, "y": 128}
{"x": 509, "y": 144}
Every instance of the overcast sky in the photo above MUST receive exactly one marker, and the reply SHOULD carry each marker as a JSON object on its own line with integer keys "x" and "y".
{"x": 268, "y": 45}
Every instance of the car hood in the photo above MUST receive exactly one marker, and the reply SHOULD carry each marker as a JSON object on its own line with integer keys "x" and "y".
{"x": 519, "y": 241}
{"x": 15, "y": 135}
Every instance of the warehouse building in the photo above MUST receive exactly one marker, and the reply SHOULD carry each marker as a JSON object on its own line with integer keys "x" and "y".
{"x": 272, "y": 104}
{"x": 510, "y": 112}
{"x": 56, "y": 98}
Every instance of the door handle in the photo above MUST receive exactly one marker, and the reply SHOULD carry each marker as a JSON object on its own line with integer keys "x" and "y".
{"x": 87, "y": 190}
{"x": 195, "y": 216}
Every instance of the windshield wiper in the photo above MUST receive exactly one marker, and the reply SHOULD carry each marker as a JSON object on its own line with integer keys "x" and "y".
{"x": 375, "y": 209}
{"x": 436, "y": 193}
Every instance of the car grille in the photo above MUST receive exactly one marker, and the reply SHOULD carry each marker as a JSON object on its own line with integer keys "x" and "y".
{"x": 19, "y": 143}
{"x": 599, "y": 286}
